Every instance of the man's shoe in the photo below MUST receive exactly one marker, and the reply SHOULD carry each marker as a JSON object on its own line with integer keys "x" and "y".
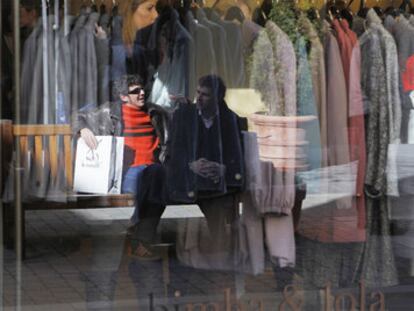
{"x": 131, "y": 230}
{"x": 144, "y": 252}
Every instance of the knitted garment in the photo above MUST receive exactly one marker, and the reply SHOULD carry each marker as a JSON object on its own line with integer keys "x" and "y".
{"x": 139, "y": 135}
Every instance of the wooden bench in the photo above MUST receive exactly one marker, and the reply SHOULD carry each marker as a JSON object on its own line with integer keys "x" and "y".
{"x": 39, "y": 144}
{"x": 52, "y": 144}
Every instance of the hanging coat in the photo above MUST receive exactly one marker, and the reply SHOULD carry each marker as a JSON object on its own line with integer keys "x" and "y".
{"x": 262, "y": 70}
{"x": 203, "y": 52}
{"x": 284, "y": 71}
{"x": 374, "y": 88}
{"x": 219, "y": 42}
{"x": 345, "y": 48}
{"x": 74, "y": 47}
{"x": 173, "y": 73}
{"x": 403, "y": 33}
{"x": 356, "y": 123}
{"x": 87, "y": 74}
{"x": 306, "y": 106}
{"x": 394, "y": 101}
{"x": 250, "y": 32}
{"x": 234, "y": 51}
{"x": 118, "y": 50}
{"x": 30, "y": 50}
{"x": 338, "y": 144}
{"x": 102, "y": 59}
{"x": 317, "y": 67}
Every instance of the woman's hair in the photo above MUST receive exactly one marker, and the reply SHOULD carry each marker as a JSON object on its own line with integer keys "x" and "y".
{"x": 129, "y": 29}
{"x": 122, "y": 84}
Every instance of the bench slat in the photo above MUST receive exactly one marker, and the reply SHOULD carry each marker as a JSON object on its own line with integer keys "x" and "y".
{"x": 36, "y": 129}
{"x": 38, "y": 148}
{"x": 67, "y": 142}
{"x": 53, "y": 153}
{"x": 80, "y": 201}
{"x": 24, "y": 148}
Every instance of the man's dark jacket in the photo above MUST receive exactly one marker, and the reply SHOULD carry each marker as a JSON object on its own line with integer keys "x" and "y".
{"x": 183, "y": 185}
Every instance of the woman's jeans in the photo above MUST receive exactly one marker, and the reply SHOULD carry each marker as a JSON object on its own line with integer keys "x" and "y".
{"x": 130, "y": 184}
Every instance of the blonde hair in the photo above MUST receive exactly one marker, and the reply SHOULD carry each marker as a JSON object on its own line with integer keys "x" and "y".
{"x": 129, "y": 29}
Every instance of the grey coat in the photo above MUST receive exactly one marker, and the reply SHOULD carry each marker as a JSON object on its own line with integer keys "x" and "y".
{"x": 373, "y": 86}
{"x": 84, "y": 70}
{"x": 58, "y": 91}
{"x": 396, "y": 118}
{"x": 87, "y": 70}
{"x": 74, "y": 44}
{"x": 219, "y": 42}
{"x": 234, "y": 51}
{"x": 30, "y": 50}
{"x": 103, "y": 66}
{"x": 204, "y": 57}
{"x": 403, "y": 33}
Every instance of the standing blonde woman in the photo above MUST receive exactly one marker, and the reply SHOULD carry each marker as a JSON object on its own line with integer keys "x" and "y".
{"x": 138, "y": 14}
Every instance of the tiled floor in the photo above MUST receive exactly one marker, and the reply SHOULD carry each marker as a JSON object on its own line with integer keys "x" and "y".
{"x": 78, "y": 260}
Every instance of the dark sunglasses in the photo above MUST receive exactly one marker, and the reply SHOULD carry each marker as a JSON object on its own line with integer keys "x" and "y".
{"x": 136, "y": 91}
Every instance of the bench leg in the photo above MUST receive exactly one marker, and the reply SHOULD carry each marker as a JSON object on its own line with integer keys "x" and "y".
{"x": 24, "y": 234}
{"x": 8, "y": 226}
{"x": 20, "y": 241}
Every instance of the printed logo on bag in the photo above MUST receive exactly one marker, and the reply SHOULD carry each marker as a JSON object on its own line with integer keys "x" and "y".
{"x": 92, "y": 158}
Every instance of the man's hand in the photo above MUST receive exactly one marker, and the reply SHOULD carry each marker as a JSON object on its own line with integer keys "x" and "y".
{"x": 100, "y": 33}
{"x": 208, "y": 169}
{"x": 180, "y": 99}
{"x": 89, "y": 138}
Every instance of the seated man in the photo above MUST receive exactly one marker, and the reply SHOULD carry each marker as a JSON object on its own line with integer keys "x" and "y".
{"x": 204, "y": 162}
{"x": 142, "y": 124}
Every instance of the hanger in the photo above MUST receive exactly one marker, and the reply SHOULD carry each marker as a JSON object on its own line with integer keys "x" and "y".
{"x": 392, "y": 10}
{"x": 348, "y": 16}
{"x": 379, "y": 11}
{"x": 266, "y": 8}
{"x": 335, "y": 12}
{"x": 404, "y": 5}
{"x": 234, "y": 13}
{"x": 114, "y": 8}
{"x": 94, "y": 7}
{"x": 102, "y": 8}
{"x": 313, "y": 13}
{"x": 363, "y": 10}
{"x": 349, "y": 4}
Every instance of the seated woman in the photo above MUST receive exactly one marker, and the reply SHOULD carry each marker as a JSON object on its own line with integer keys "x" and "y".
{"x": 142, "y": 124}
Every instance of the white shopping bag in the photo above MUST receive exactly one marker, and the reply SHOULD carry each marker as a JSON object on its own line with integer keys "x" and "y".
{"x": 99, "y": 171}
